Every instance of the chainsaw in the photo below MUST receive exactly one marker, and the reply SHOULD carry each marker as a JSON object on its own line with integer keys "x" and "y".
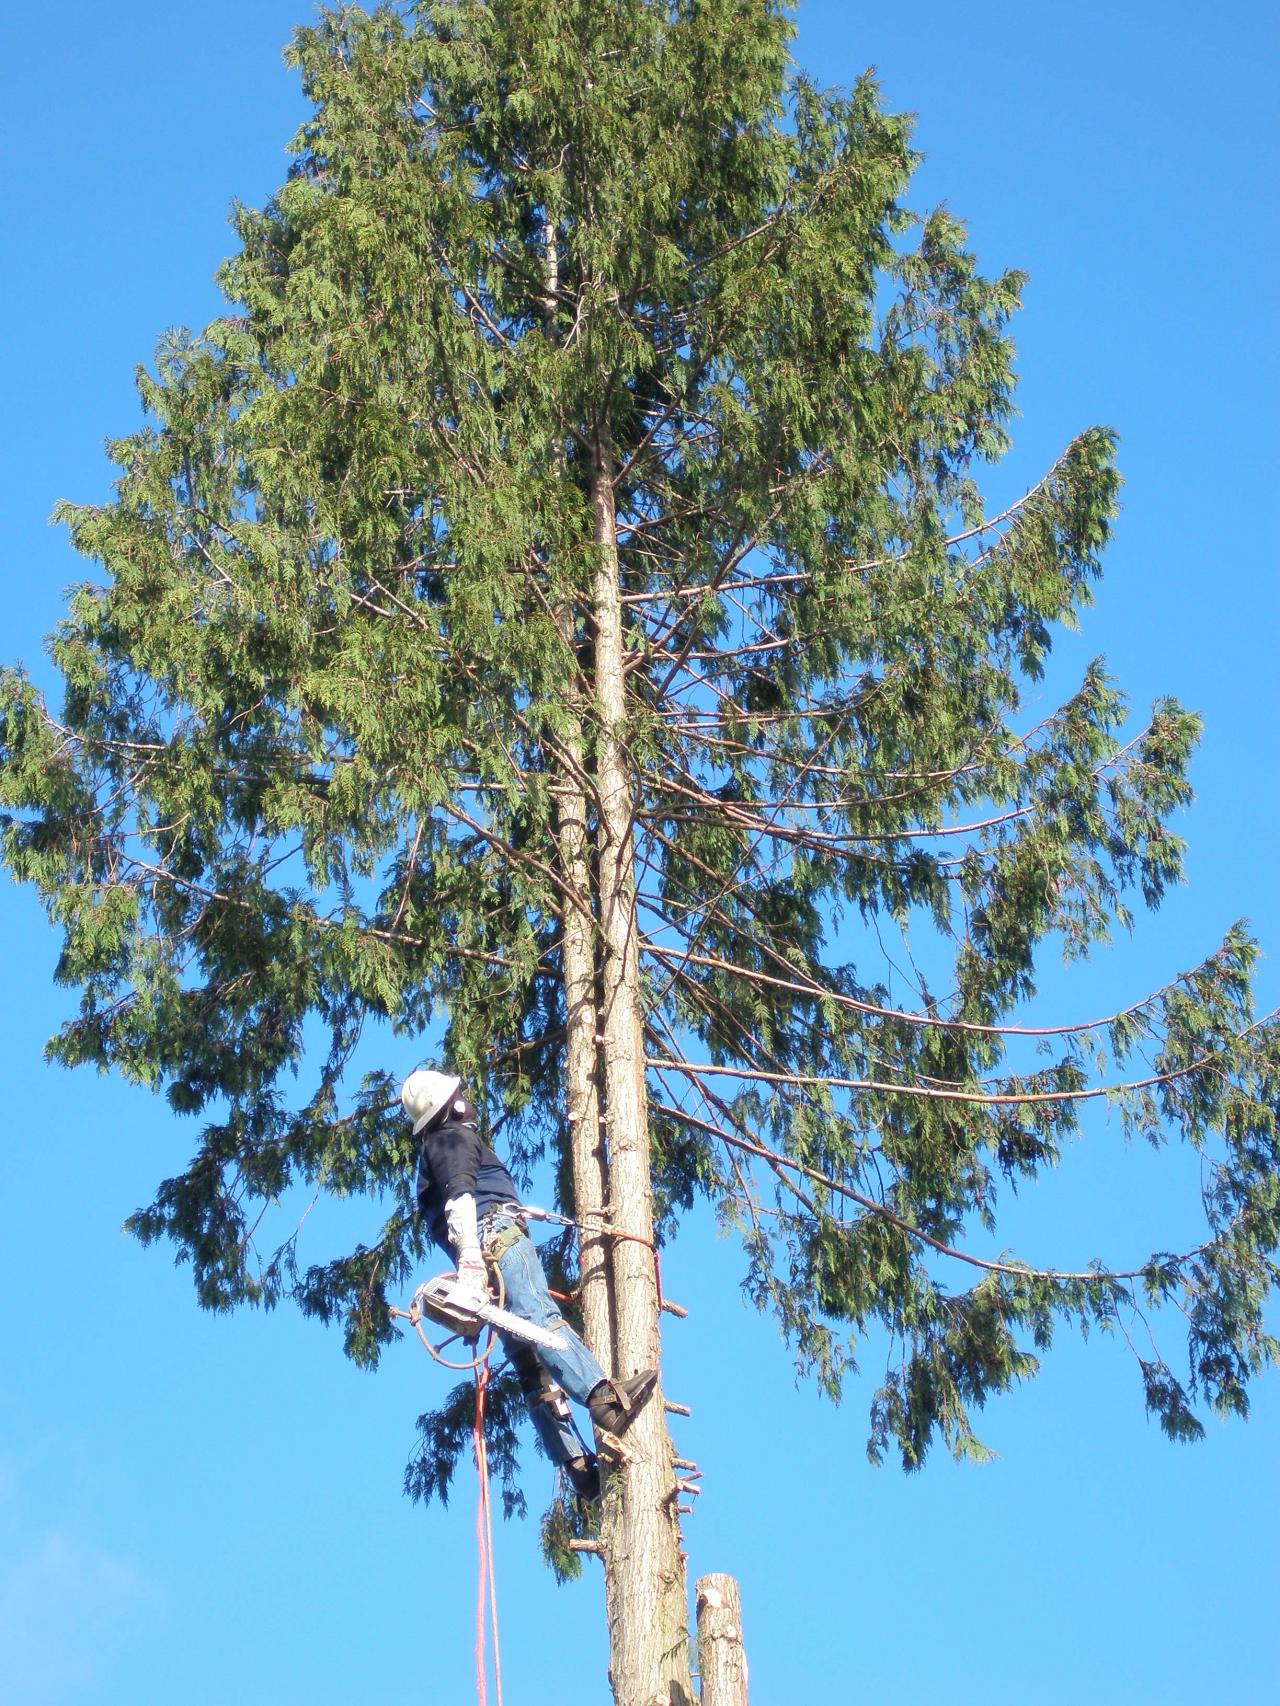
{"x": 466, "y": 1312}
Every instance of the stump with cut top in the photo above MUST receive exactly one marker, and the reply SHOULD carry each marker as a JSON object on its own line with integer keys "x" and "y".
{"x": 722, "y": 1663}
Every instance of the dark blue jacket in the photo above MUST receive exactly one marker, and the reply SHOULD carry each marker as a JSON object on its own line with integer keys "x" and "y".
{"x": 454, "y": 1161}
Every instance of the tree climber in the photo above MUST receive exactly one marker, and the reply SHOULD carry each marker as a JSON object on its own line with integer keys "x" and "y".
{"x": 471, "y": 1207}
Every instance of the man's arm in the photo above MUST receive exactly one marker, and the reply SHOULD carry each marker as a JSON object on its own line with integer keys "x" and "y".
{"x": 453, "y": 1151}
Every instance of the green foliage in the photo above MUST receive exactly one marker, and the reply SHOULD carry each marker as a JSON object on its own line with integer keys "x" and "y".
{"x": 567, "y": 1519}
{"x": 321, "y": 705}
{"x": 445, "y": 1435}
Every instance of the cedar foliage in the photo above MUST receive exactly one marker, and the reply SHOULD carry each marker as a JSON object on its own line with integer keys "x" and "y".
{"x": 301, "y": 781}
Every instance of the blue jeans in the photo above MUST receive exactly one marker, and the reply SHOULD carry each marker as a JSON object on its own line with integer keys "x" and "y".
{"x": 573, "y": 1368}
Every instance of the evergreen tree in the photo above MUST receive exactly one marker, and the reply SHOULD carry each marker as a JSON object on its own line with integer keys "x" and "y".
{"x": 556, "y": 598}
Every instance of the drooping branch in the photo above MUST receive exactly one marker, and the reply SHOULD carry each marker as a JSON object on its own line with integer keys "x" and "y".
{"x": 1011, "y": 1098}
{"x": 735, "y": 1140}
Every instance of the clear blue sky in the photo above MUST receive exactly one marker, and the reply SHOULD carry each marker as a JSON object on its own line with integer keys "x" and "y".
{"x": 209, "y": 1510}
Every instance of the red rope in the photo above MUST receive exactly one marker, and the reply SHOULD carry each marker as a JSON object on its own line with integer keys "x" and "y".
{"x": 635, "y": 1238}
{"x": 477, "y": 1441}
{"x": 484, "y": 1549}
{"x": 632, "y": 1238}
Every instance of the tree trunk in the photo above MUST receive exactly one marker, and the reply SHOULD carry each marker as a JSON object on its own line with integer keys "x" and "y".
{"x": 582, "y": 1086}
{"x": 645, "y": 1589}
{"x": 722, "y": 1664}
{"x": 582, "y": 1102}
{"x": 582, "y": 1092}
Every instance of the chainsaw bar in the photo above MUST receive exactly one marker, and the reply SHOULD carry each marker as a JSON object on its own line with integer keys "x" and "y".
{"x": 451, "y": 1305}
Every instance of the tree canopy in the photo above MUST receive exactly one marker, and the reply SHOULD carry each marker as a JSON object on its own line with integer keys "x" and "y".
{"x": 324, "y": 713}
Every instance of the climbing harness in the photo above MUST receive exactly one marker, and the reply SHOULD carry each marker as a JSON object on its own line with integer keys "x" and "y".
{"x": 497, "y": 1238}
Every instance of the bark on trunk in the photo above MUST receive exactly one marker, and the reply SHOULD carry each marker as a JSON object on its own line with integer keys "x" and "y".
{"x": 582, "y": 1087}
{"x": 644, "y": 1567}
{"x": 582, "y": 1093}
{"x": 722, "y": 1664}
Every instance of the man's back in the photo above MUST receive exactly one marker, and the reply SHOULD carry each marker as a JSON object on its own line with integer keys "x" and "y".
{"x": 454, "y": 1161}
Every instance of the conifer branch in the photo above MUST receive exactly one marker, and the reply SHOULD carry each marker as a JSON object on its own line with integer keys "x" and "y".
{"x": 977, "y": 1098}
{"x": 1017, "y": 1270}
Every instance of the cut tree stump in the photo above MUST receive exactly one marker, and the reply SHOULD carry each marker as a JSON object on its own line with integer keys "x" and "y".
{"x": 722, "y": 1662}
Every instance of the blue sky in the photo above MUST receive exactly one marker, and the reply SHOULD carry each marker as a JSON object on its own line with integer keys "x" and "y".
{"x": 209, "y": 1509}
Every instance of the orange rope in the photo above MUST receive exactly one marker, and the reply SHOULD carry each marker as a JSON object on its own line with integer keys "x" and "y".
{"x": 486, "y": 1577}
{"x": 581, "y": 1226}
{"x": 477, "y": 1440}
{"x": 635, "y": 1238}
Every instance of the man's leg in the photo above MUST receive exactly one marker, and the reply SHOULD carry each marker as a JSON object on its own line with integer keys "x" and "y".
{"x": 549, "y": 1409}
{"x": 612, "y": 1404}
{"x": 574, "y": 1368}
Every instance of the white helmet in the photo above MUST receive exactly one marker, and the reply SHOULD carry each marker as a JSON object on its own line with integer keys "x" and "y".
{"x": 424, "y": 1093}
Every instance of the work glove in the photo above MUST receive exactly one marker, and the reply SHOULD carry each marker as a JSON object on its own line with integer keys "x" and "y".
{"x": 472, "y": 1275}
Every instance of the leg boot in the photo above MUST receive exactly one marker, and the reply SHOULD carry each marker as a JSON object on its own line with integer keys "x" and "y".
{"x": 583, "y": 1475}
{"x": 614, "y": 1404}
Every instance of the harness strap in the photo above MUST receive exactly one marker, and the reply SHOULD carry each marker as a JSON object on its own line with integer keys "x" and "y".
{"x": 495, "y": 1238}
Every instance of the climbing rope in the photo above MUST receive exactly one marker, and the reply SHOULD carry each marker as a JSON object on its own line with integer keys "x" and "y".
{"x": 581, "y": 1226}
{"x": 413, "y": 1316}
{"x": 486, "y": 1580}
